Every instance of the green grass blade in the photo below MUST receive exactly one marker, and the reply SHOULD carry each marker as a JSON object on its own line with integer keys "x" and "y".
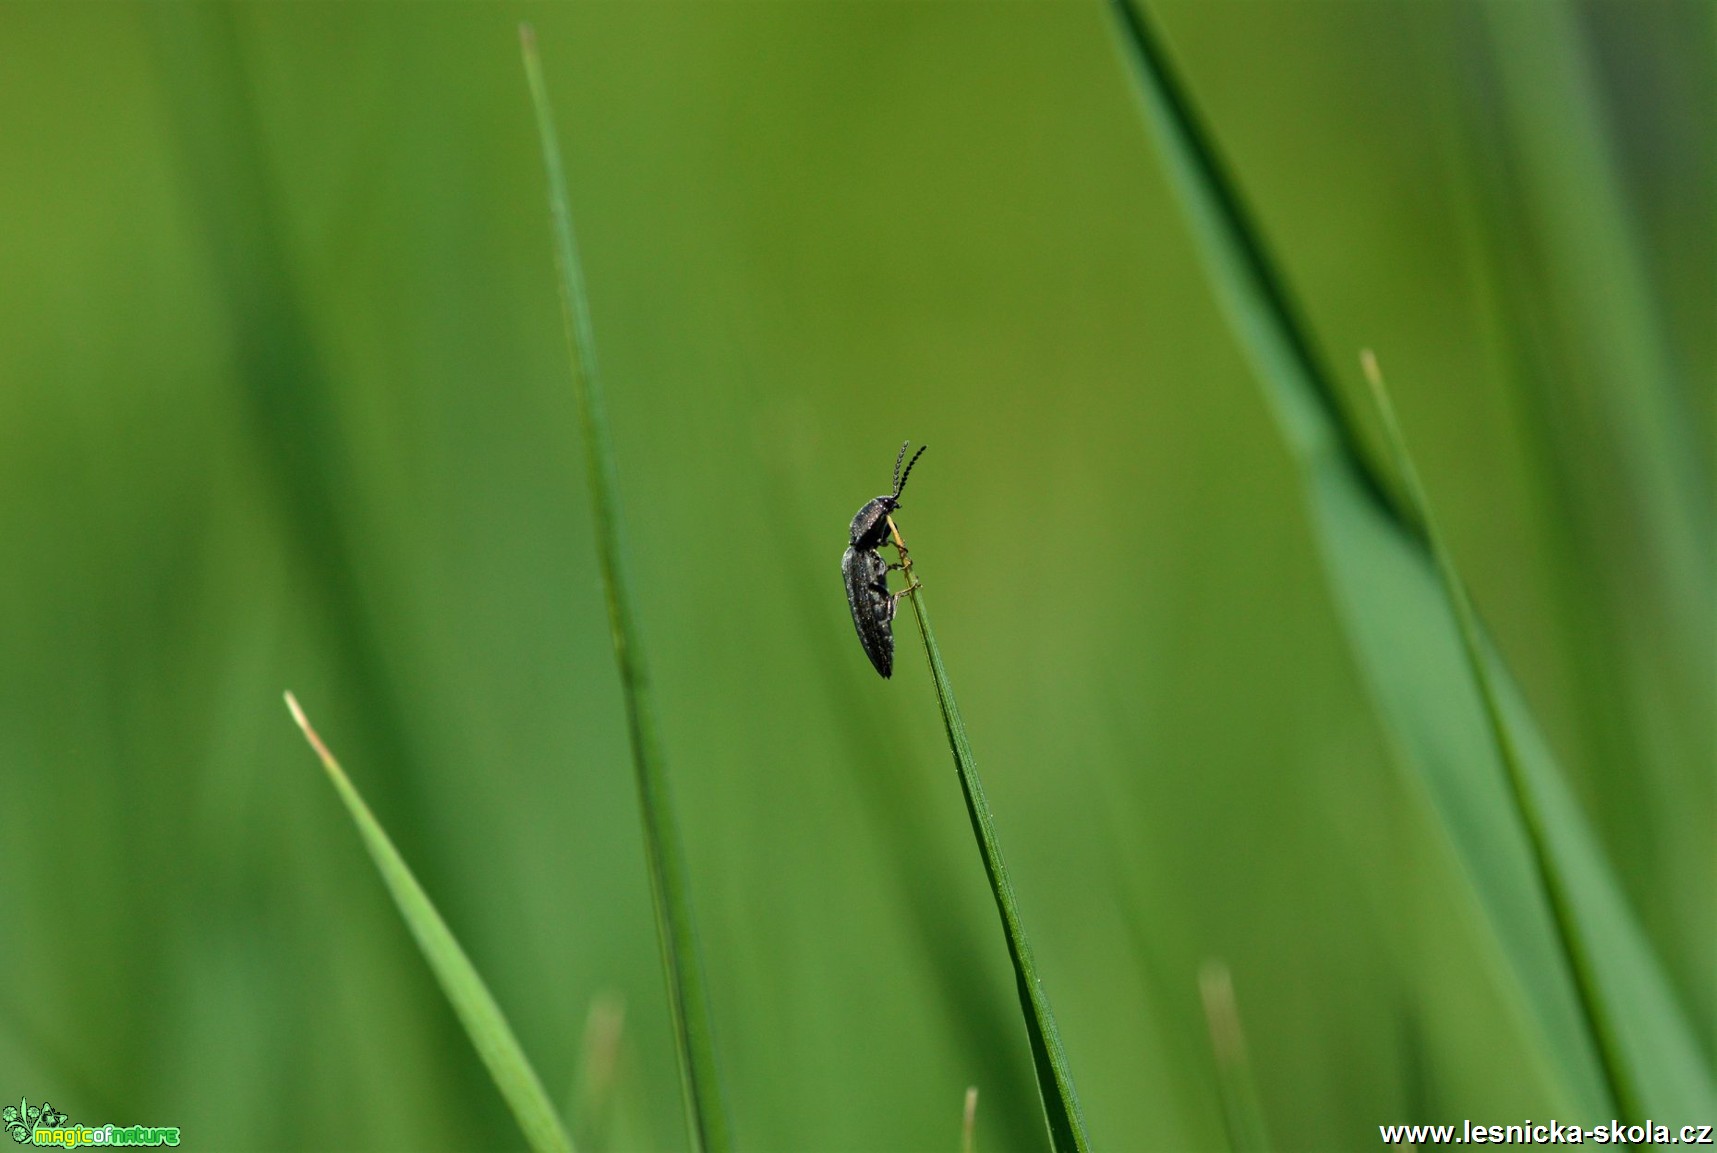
{"x": 1620, "y": 1076}
{"x": 669, "y": 886}
{"x": 1623, "y": 1068}
{"x": 1054, "y": 1078}
{"x": 923, "y": 874}
{"x": 1610, "y": 387}
{"x": 1242, "y": 1114}
{"x": 286, "y": 389}
{"x": 1616, "y": 1035}
{"x": 599, "y": 1072}
{"x": 475, "y": 1006}
{"x": 1614, "y": 368}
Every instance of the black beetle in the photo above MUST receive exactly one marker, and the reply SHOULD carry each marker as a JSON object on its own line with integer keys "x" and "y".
{"x": 866, "y": 573}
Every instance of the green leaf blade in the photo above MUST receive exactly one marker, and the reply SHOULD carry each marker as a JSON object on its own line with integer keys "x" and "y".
{"x": 472, "y": 1002}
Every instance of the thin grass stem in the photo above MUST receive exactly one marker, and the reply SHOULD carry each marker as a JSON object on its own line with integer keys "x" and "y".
{"x": 1049, "y": 1058}
{"x": 670, "y": 886}
{"x": 1508, "y": 751}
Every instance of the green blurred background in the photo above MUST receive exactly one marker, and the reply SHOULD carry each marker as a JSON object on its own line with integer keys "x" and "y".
{"x": 284, "y": 404}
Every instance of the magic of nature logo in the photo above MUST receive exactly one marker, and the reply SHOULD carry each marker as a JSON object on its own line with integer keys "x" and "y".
{"x": 42, "y": 1124}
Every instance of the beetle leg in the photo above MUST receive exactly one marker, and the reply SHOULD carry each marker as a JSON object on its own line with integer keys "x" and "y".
{"x": 894, "y": 598}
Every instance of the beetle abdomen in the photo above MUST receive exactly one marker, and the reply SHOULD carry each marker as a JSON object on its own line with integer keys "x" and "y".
{"x": 866, "y": 577}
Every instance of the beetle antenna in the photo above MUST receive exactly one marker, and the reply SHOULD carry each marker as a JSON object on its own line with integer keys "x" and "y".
{"x": 902, "y": 456}
{"x": 901, "y": 483}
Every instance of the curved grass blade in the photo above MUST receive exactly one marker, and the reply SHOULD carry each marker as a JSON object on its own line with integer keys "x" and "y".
{"x": 1615, "y": 1037}
{"x": 1054, "y": 1078}
{"x": 484, "y": 1022}
{"x": 670, "y": 887}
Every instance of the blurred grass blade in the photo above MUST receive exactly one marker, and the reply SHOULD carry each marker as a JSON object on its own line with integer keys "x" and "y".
{"x": 471, "y": 1000}
{"x": 1054, "y": 1078}
{"x": 286, "y": 389}
{"x": 1242, "y": 1115}
{"x": 1629, "y": 1050}
{"x": 599, "y": 1072}
{"x": 1615, "y": 376}
{"x": 969, "y": 1121}
{"x": 1409, "y": 647}
{"x": 1507, "y": 747}
{"x": 669, "y": 886}
{"x": 1610, "y": 388}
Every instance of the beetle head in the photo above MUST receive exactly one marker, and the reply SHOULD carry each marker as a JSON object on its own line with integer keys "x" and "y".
{"x": 870, "y": 526}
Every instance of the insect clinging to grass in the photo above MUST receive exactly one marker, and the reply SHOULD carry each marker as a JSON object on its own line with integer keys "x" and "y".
{"x": 866, "y": 572}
